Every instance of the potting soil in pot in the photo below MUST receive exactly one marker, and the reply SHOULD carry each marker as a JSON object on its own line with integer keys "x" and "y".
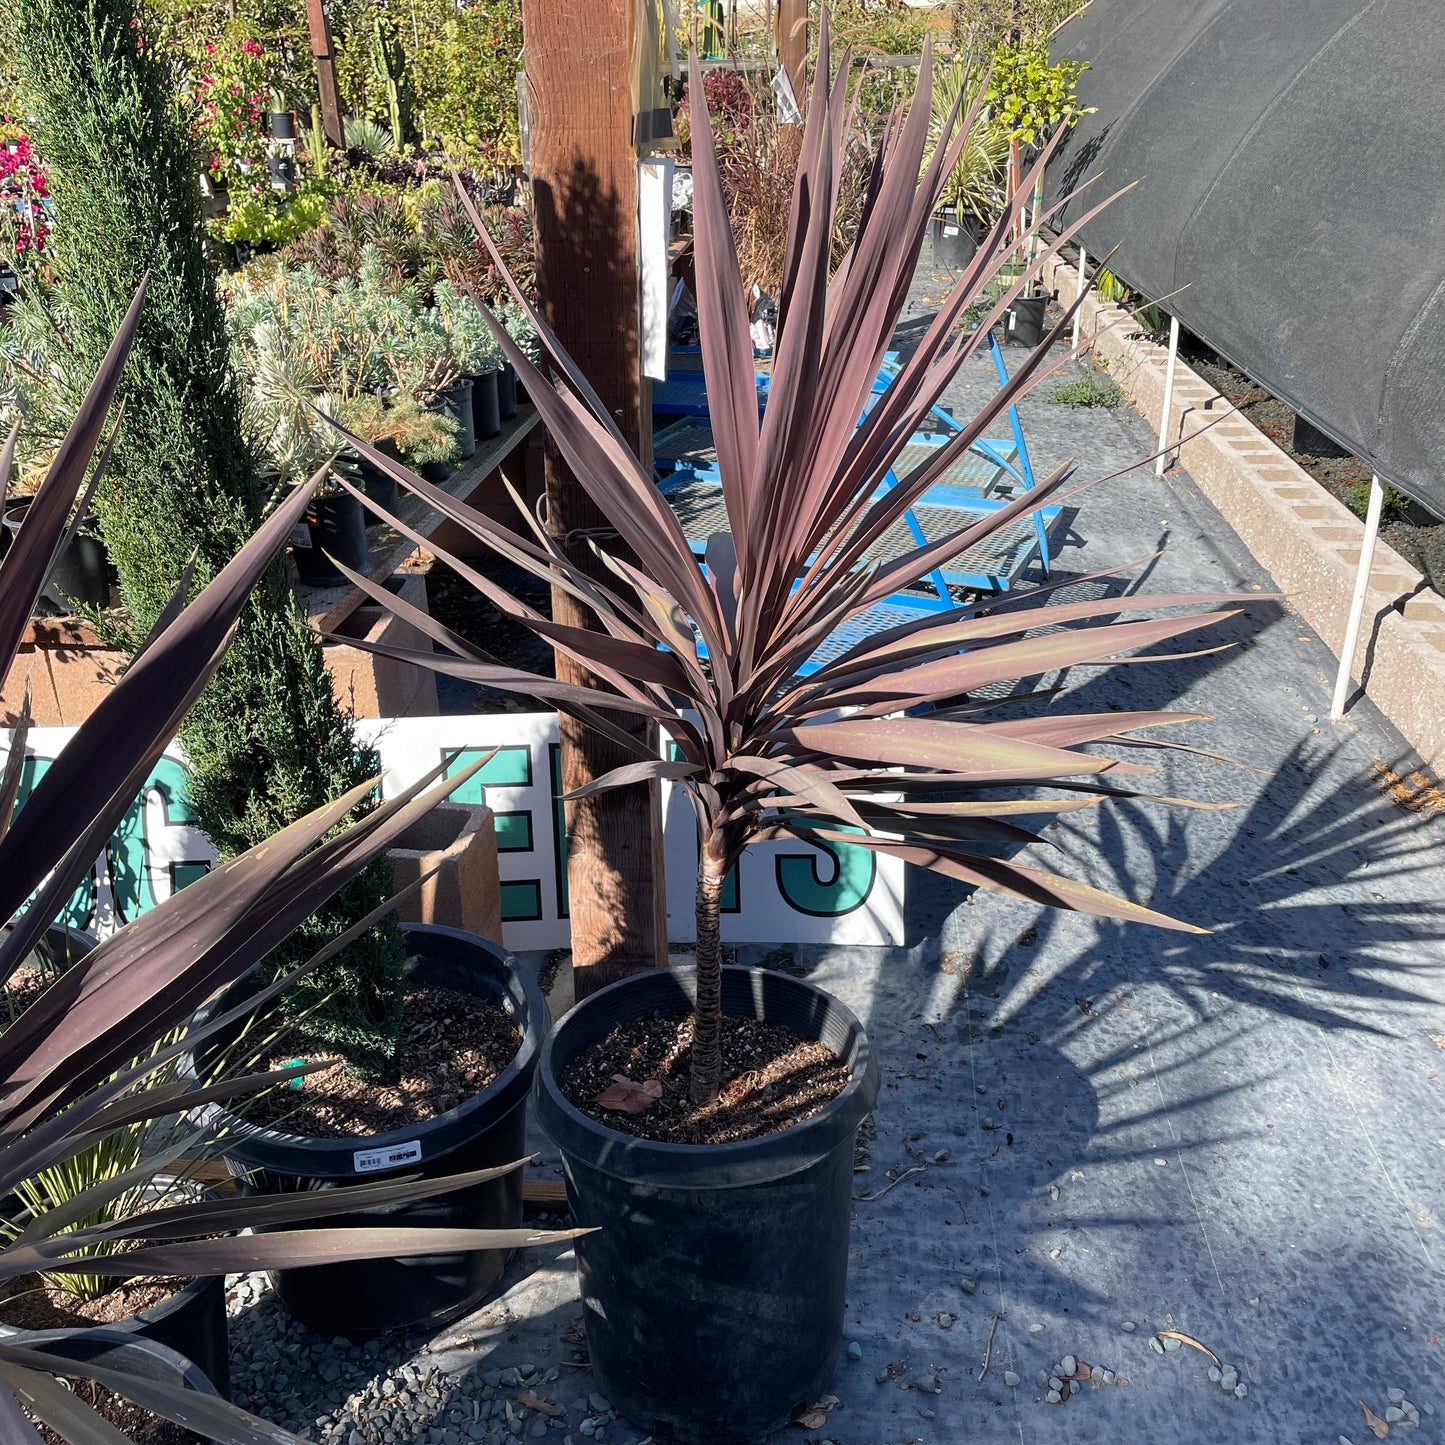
{"x": 453, "y": 1045}
{"x": 772, "y": 1079}
{"x": 139, "y": 1425}
{"x": 33, "y": 1303}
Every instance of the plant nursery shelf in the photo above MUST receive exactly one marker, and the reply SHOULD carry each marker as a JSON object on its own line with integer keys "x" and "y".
{"x": 327, "y": 607}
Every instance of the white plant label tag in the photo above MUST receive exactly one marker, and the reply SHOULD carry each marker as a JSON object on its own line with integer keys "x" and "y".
{"x": 301, "y": 535}
{"x": 950, "y": 230}
{"x": 365, "y": 1161}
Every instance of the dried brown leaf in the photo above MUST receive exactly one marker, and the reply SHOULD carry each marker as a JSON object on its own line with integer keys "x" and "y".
{"x": 536, "y": 1402}
{"x": 1190, "y": 1340}
{"x": 1376, "y": 1426}
{"x": 625, "y": 1096}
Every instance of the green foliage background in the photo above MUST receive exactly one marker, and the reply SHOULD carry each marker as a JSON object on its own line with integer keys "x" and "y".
{"x": 267, "y": 741}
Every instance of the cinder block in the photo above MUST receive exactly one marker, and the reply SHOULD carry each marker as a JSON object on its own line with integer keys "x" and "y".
{"x": 459, "y": 840}
{"x": 372, "y": 686}
{"x": 68, "y": 672}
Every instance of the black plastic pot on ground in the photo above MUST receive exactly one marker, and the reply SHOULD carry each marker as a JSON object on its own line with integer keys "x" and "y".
{"x": 954, "y": 244}
{"x": 82, "y": 572}
{"x": 363, "y": 1298}
{"x": 486, "y": 406}
{"x": 283, "y": 124}
{"x": 1026, "y": 320}
{"x": 333, "y": 527}
{"x": 507, "y": 392}
{"x": 456, "y": 402}
{"x": 713, "y": 1286}
{"x": 113, "y": 1348}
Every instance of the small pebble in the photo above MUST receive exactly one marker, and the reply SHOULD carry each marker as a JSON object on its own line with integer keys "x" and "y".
{"x": 1215, "y": 1374}
{"x": 1156, "y": 1344}
{"x": 1230, "y": 1377}
{"x": 1053, "y": 1398}
{"x": 1170, "y": 1343}
{"x": 1041, "y": 1379}
{"x": 1036, "y": 1329}
{"x": 1128, "y": 1327}
{"x": 1068, "y": 1365}
{"x": 855, "y": 1350}
{"x": 1428, "y": 1409}
{"x": 1055, "y": 1383}
{"x": 1053, "y": 1191}
{"x": 1345, "y": 1440}
{"x": 1241, "y": 1390}
{"x": 1395, "y": 1397}
{"x": 598, "y": 1403}
{"x": 967, "y": 1286}
{"x": 1162, "y": 1163}
{"x": 1108, "y": 1377}
{"x": 1010, "y": 1379}
{"x": 1393, "y": 1415}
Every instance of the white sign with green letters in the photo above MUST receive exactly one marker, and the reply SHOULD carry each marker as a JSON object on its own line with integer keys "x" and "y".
{"x": 780, "y": 892}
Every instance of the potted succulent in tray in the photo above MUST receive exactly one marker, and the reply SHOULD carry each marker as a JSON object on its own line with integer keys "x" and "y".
{"x": 281, "y": 118}
{"x": 478, "y": 356}
{"x": 401, "y": 429}
{"x": 706, "y": 1116}
{"x": 421, "y": 366}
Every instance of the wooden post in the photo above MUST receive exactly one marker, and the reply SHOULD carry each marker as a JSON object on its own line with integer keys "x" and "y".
{"x": 793, "y": 45}
{"x": 584, "y": 191}
{"x": 320, "y": 29}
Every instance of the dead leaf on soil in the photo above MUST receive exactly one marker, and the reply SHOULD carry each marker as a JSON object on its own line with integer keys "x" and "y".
{"x": 536, "y": 1402}
{"x": 1190, "y": 1340}
{"x": 624, "y": 1096}
{"x": 816, "y": 1416}
{"x": 1377, "y": 1426}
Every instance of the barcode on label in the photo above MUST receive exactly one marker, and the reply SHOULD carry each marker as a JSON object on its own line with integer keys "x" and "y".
{"x": 364, "y": 1161}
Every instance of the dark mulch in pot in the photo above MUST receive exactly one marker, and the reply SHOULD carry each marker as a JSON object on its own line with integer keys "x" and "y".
{"x": 772, "y": 1079}
{"x": 139, "y": 1425}
{"x": 456, "y": 603}
{"x": 34, "y": 1303}
{"x": 453, "y": 1045}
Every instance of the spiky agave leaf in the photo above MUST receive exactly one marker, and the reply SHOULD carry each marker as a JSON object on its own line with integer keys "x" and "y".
{"x": 769, "y": 752}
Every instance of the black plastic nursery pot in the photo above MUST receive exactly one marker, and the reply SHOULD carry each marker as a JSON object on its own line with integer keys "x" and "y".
{"x": 1026, "y": 320}
{"x": 283, "y": 124}
{"x": 363, "y": 1298}
{"x": 333, "y": 527}
{"x": 82, "y": 571}
{"x": 456, "y": 402}
{"x": 112, "y": 1347}
{"x": 507, "y": 392}
{"x": 486, "y": 406}
{"x": 713, "y": 1285}
{"x": 954, "y": 244}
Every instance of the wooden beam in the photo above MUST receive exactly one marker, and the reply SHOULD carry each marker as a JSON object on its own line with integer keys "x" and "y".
{"x": 584, "y": 192}
{"x": 793, "y": 44}
{"x": 321, "y": 49}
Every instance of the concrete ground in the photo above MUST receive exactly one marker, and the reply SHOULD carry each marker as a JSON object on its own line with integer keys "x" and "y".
{"x": 1089, "y": 1132}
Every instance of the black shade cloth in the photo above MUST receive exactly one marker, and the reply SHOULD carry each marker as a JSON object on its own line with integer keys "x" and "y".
{"x": 1291, "y": 155}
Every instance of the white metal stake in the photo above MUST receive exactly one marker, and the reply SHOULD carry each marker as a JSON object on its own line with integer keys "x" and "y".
{"x": 1162, "y": 460}
{"x": 1078, "y": 296}
{"x": 1357, "y": 602}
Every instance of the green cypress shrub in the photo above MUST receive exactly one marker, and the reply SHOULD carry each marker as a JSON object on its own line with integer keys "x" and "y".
{"x": 268, "y": 740}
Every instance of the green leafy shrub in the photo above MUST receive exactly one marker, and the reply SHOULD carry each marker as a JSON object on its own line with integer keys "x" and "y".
{"x": 267, "y": 741}
{"x": 1031, "y": 96}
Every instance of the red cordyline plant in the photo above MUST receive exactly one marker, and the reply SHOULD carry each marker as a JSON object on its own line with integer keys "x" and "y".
{"x": 711, "y": 652}
{"x": 90, "y": 1055}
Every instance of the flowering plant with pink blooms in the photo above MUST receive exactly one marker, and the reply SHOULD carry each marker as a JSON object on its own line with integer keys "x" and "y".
{"x": 229, "y": 93}
{"x": 24, "y": 193}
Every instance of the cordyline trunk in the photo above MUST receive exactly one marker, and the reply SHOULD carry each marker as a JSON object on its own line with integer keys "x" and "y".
{"x": 707, "y": 1011}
